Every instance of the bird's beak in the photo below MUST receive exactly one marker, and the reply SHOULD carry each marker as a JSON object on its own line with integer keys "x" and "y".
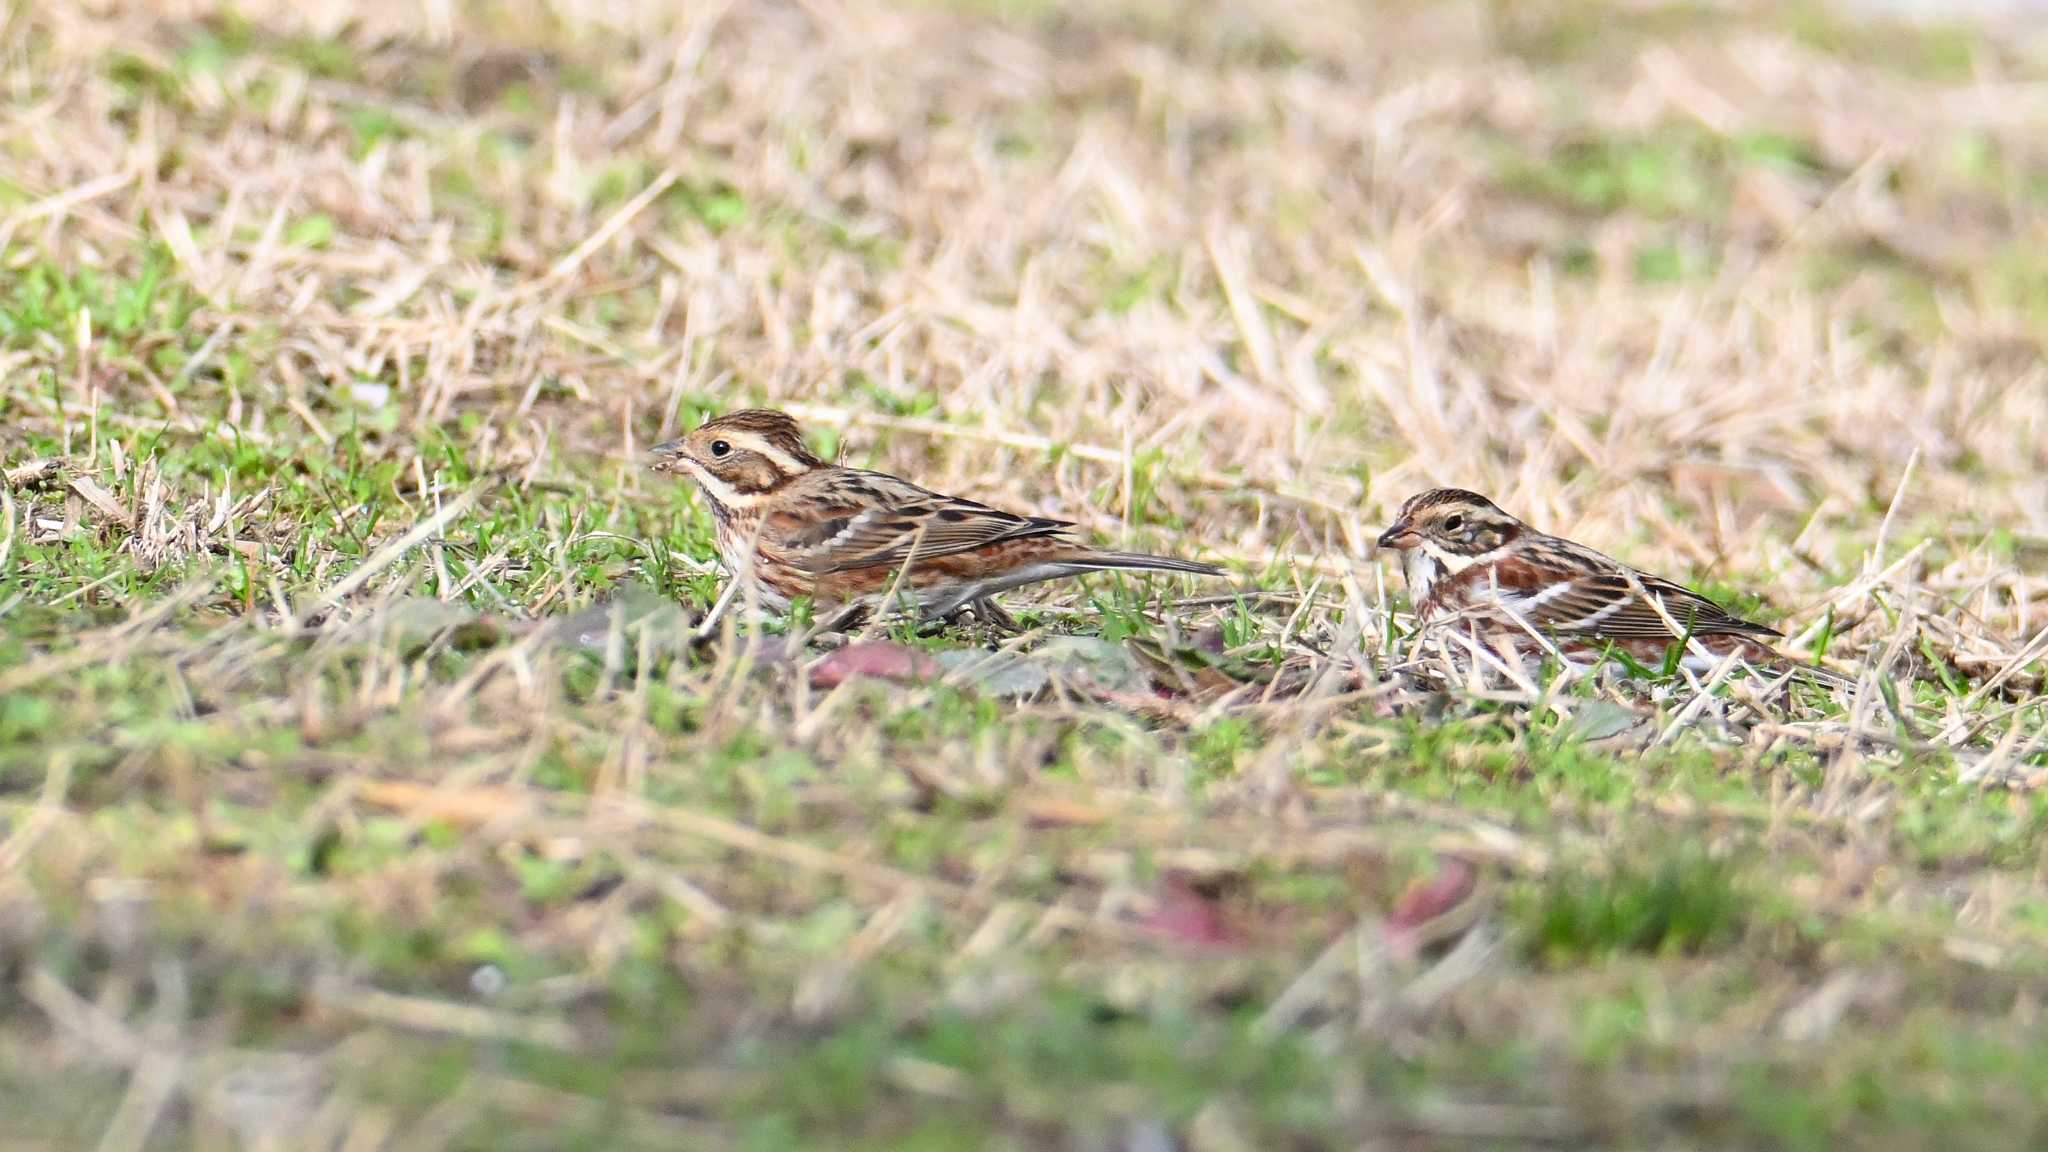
{"x": 1400, "y": 537}
{"x": 667, "y": 455}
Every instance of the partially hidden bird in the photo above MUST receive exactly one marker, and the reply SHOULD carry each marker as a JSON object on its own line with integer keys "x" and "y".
{"x": 789, "y": 525}
{"x": 1537, "y": 595}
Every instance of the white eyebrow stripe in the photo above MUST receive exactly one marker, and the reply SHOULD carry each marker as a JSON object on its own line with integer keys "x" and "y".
{"x": 754, "y": 442}
{"x": 718, "y": 489}
{"x": 1591, "y": 618}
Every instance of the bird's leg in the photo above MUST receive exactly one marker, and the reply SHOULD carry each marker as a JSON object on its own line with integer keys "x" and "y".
{"x": 956, "y": 609}
{"x": 846, "y": 619}
{"x": 933, "y": 615}
{"x": 993, "y": 614}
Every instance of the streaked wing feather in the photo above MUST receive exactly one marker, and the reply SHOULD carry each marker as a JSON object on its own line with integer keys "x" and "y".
{"x": 871, "y": 519}
{"x": 893, "y": 539}
{"x": 1578, "y": 592}
{"x": 1577, "y": 611}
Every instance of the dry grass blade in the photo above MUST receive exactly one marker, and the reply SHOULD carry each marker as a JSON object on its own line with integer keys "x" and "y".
{"x": 445, "y": 1017}
{"x": 391, "y": 553}
{"x": 102, "y": 500}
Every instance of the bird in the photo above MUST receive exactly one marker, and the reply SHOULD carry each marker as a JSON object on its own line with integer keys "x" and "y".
{"x": 1466, "y": 561}
{"x": 790, "y": 525}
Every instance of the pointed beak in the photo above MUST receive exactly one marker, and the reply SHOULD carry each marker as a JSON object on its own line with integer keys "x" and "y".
{"x": 1400, "y": 537}
{"x": 666, "y": 455}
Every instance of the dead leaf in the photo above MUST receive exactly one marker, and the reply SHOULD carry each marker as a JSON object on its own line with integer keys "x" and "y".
{"x": 875, "y": 659}
{"x": 1186, "y": 914}
{"x": 1429, "y": 900}
{"x": 633, "y": 608}
{"x": 1184, "y": 672}
{"x": 1091, "y": 665}
{"x": 93, "y": 493}
{"x": 1209, "y": 640}
{"x": 1595, "y": 720}
{"x": 995, "y": 673}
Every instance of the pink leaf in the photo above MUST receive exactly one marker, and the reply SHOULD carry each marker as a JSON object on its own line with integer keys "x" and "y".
{"x": 1428, "y": 899}
{"x": 1185, "y": 915}
{"x": 879, "y": 659}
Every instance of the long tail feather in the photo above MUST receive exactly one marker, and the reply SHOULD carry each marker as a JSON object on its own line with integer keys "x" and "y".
{"x": 1140, "y": 562}
{"x": 1814, "y": 673}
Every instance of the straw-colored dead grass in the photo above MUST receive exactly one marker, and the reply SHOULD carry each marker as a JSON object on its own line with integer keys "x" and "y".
{"x": 331, "y": 337}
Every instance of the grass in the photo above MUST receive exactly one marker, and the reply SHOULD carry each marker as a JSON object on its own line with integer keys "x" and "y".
{"x": 308, "y": 840}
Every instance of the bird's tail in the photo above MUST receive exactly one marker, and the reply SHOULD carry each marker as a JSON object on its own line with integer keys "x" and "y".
{"x": 1813, "y": 674}
{"x": 1139, "y": 562}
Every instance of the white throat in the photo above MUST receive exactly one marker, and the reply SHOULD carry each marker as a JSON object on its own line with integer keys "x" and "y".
{"x": 1449, "y": 562}
{"x": 718, "y": 489}
{"x": 1422, "y": 571}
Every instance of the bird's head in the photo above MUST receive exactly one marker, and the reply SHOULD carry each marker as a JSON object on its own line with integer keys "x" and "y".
{"x": 1451, "y": 522}
{"x": 740, "y": 456}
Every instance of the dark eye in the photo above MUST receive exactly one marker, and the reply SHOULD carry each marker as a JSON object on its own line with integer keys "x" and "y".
{"x": 1453, "y": 522}
{"x": 720, "y": 448}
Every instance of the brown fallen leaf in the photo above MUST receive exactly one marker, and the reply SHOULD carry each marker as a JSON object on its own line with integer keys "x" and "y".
{"x": 1427, "y": 901}
{"x": 93, "y": 493}
{"x": 1211, "y": 640}
{"x": 1186, "y": 914}
{"x": 878, "y": 659}
{"x": 1178, "y": 673}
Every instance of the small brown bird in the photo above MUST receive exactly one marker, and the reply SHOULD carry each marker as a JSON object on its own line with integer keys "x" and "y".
{"x": 794, "y": 525}
{"x": 1464, "y": 559}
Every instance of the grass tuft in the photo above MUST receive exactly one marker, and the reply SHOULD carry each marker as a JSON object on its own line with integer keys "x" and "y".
{"x": 1683, "y": 903}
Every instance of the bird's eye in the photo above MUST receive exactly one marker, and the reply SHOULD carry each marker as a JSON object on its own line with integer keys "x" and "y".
{"x": 720, "y": 448}
{"x": 1453, "y": 522}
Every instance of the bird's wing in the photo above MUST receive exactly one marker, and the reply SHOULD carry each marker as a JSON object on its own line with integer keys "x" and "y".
{"x": 1587, "y": 594}
{"x": 848, "y": 519}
